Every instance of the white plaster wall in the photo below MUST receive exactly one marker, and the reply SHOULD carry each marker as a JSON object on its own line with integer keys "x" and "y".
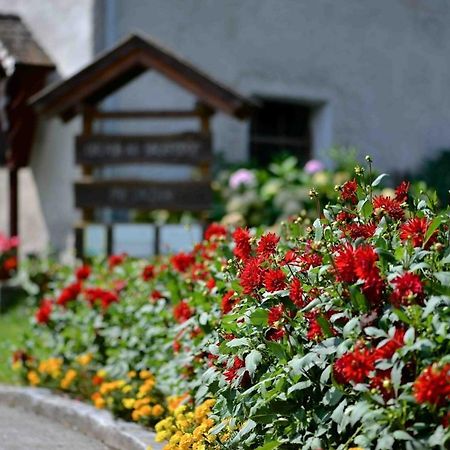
{"x": 382, "y": 67}
{"x": 64, "y": 28}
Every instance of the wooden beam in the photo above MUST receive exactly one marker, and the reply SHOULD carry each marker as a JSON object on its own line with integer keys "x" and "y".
{"x": 13, "y": 202}
{"x": 161, "y": 114}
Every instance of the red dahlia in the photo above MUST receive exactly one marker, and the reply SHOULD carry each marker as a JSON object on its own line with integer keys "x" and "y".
{"x": 44, "y": 311}
{"x": 228, "y": 302}
{"x": 148, "y": 273}
{"x": 275, "y": 314}
{"x": 408, "y": 288}
{"x": 215, "y": 230}
{"x": 116, "y": 260}
{"x": 83, "y": 272}
{"x": 387, "y": 350}
{"x": 354, "y": 366}
{"x": 401, "y": 192}
{"x": 296, "y": 293}
{"x": 182, "y": 261}
{"x": 267, "y": 245}
{"x": 242, "y": 249}
{"x": 69, "y": 293}
{"x": 389, "y": 206}
{"x": 274, "y": 280}
{"x": 344, "y": 263}
{"x": 182, "y": 312}
{"x": 433, "y": 385}
{"x": 414, "y": 230}
{"x": 251, "y": 278}
{"x": 348, "y": 191}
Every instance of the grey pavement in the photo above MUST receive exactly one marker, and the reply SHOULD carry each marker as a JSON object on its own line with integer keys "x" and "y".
{"x": 24, "y": 430}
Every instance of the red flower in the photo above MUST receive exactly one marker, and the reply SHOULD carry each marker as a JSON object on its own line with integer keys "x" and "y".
{"x": 10, "y": 264}
{"x": 315, "y": 331}
{"x": 344, "y": 263}
{"x": 242, "y": 248}
{"x": 215, "y": 230}
{"x": 182, "y": 312}
{"x": 148, "y": 273}
{"x": 176, "y": 346}
{"x": 408, "y": 287}
{"x": 69, "y": 293}
{"x": 274, "y": 280}
{"x": 357, "y": 230}
{"x": 251, "y": 277}
{"x": 296, "y": 293}
{"x": 387, "y": 350}
{"x": 228, "y": 302}
{"x": 365, "y": 259}
{"x": 389, "y": 206}
{"x": 291, "y": 257}
{"x": 267, "y": 245}
{"x": 274, "y": 334}
{"x": 182, "y": 261}
{"x": 348, "y": 191}
{"x": 381, "y": 381}
{"x": 353, "y": 366}
{"x": 275, "y": 314}
{"x": 116, "y": 260}
{"x": 308, "y": 260}
{"x": 414, "y": 230}
{"x": 231, "y": 373}
{"x": 401, "y": 192}
{"x": 211, "y": 284}
{"x": 83, "y": 272}
{"x": 95, "y": 295}
{"x": 433, "y": 385}
{"x": 156, "y": 295}
{"x": 44, "y": 311}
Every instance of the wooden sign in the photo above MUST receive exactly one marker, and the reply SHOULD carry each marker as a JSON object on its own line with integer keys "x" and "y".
{"x": 173, "y": 196}
{"x": 181, "y": 148}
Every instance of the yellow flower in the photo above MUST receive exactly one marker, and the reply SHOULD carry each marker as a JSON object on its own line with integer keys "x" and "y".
{"x": 127, "y": 388}
{"x": 51, "y": 366}
{"x": 33, "y": 378}
{"x": 131, "y": 374}
{"x": 98, "y": 400}
{"x": 17, "y": 365}
{"x": 128, "y": 403}
{"x": 85, "y": 359}
{"x": 145, "y": 410}
{"x": 68, "y": 379}
{"x": 144, "y": 374}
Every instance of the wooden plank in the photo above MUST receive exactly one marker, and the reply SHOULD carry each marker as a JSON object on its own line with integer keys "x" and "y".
{"x": 140, "y": 114}
{"x": 130, "y": 194}
{"x": 181, "y": 148}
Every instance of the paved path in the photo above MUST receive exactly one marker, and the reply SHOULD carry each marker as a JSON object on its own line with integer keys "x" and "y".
{"x": 24, "y": 430}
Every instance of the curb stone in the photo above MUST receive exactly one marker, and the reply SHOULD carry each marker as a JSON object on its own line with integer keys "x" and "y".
{"x": 98, "y": 424}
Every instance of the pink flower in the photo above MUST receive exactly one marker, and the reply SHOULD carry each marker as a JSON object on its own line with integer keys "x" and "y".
{"x": 313, "y": 166}
{"x": 241, "y": 177}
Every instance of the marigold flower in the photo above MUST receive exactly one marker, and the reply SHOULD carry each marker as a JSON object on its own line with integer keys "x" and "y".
{"x": 433, "y": 385}
{"x": 33, "y": 378}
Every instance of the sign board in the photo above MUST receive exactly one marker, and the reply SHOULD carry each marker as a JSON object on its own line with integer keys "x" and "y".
{"x": 173, "y": 196}
{"x": 181, "y": 148}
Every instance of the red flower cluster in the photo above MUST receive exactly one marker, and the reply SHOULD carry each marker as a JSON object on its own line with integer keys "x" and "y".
{"x": 251, "y": 278}
{"x": 433, "y": 385}
{"x": 182, "y": 261}
{"x": 401, "y": 192}
{"x": 228, "y": 301}
{"x": 296, "y": 293}
{"x": 182, "y": 312}
{"x": 215, "y": 230}
{"x": 315, "y": 330}
{"x": 348, "y": 191}
{"x": 69, "y": 293}
{"x": 242, "y": 249}
{"x": 83, "y": 272}
{"x": 408, "y": 288}
{"x": 360, "y": 263}
{"x": 96, "y": 295}
{"x": 116, "y": 260}
{"x": 232, "y": 372}
{"x": 43, "y": 313}
{"x": 148, "y": 272}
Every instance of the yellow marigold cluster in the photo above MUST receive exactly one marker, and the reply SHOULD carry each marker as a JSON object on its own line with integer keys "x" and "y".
{"x": 187, "y": 429}
{"x": 33, "y": 378}
{"x": 51, "y": 367}
{"x": 68, "y": 379}
{"x": 148, "y": 384}
{"x": 85, "y": 359}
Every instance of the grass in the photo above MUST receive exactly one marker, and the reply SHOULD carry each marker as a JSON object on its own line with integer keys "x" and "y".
{"x": 13, "y": 324}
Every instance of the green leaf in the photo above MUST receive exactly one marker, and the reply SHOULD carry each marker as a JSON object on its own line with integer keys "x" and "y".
{"x": 252, "y": 361}
{"x": 378, "y": 179}
{"x": 299, "y": 386}
{"x": 318, "y": 230}
{"x": 269, "y": 445}
{"x": 238, "y": 342}
{"x": 325, "y": 326}
{"x": 259, "y": 317}
{"x": 401, "y": 435}
{"x": 443, "y": 277}
{"x": 434, "y": 225}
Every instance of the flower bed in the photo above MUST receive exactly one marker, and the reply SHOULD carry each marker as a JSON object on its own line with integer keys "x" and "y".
{"x": 334, "y": 336}
{"x": 8, "y": 256}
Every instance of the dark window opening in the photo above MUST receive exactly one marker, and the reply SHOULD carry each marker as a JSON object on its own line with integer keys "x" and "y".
{"x": 280, "y": 128}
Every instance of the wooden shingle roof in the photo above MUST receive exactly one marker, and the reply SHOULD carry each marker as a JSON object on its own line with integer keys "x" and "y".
{"x": 118, "y": 66}
{"x": 17, "y": 45}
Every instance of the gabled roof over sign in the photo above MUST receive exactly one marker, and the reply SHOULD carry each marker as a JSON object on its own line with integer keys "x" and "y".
{"x": 17, "y": 45}
{"x": 118, "y": 66}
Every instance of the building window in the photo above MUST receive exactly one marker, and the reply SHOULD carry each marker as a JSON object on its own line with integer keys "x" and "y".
{"x": 280, "y": 128}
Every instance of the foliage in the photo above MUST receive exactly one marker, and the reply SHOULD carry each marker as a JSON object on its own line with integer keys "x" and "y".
{"x": 333, "y": 336}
